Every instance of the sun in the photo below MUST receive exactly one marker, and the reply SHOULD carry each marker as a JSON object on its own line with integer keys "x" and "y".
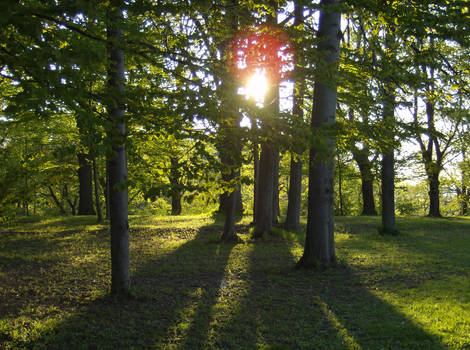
{"x": 257, "y": 86}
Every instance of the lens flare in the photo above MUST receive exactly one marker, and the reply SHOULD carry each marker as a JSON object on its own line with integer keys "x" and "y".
{"x": 257, "y": 86}
{"x": 262, "y": 48}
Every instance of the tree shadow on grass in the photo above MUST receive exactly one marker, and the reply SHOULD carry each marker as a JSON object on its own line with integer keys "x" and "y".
{"x": 198, "y": 294}
{"x": 329, "y": 309}
{"x": 173, "y": 287}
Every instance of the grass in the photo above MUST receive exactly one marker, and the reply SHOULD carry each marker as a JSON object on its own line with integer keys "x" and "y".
{"x": 410, "y": 291}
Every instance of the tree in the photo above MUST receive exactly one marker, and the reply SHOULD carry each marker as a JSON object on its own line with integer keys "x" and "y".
{"x": 120, "y": 275}
{"x": 292, "y": 221}
{"x": 319, "y": 243}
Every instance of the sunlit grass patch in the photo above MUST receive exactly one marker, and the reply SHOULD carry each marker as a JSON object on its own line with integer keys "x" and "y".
{"x": 404, "y": 292}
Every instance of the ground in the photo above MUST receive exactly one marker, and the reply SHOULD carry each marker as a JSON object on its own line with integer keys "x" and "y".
{"x": 410, "y": 291}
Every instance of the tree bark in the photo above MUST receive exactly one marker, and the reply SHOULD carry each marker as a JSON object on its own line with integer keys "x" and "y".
{"x": 255, "y": 180}
{"x": 176, "y": 206}
{"x": 294, "y": 195}
{"x": 361, "y": 156}
{"x": 292, "y": 221}
{"x": 276, "y": 209}
{"x": 340, "y": 187}
{"x": 388, "y": 193}
{"x": 118, "y": 193}
{"x": 464, "y": 196}
{"x": 99, "y": 214}
{"x": 388, "y": 167}
{"x": 434, "y": 204}
{"x": 85, "y": 202}
{"x": 176, "y": 186}
{"x": 264, "y": 211}
{"x": 238, "y": 200}
{"x": 319, "y": 243}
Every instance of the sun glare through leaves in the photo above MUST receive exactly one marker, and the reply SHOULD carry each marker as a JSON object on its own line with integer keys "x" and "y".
{"x": 261, "y": 56}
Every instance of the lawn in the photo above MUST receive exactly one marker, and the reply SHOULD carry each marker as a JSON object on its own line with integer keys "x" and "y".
{"x": 410, "y": 291}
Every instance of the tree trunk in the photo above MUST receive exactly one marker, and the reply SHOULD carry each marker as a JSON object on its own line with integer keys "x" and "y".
{"x": 294, "y": 195}
{"x": 264, "y": 211}
{"x": 295, "y": 175}
{"x": 99, "y": 215}
{"x": 238, "y": 200}
{"x": 85, "y": 202}
{"x": 276, "y": 209}
{"x": 319, "y": 242}
{"x": 340, "y": 187}
{"x": 367, "y": 184}
{"x": 388, "y": 193}
{"x": 388, "y": 166}
{"x": 118, "y": 193}
{"x": 176, "y": 187}
{"x": 176, "y": 207}
{"x": 104, "y": 182}
{"x": 255, "y": 180}
{"x": 434, "y": 205}
{"x": 464, "y": 200}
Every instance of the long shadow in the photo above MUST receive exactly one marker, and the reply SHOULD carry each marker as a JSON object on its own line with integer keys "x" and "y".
{"x": 329, "y": 309}
{"x": 201, "y": 294}
{"x": 173, "y": 289}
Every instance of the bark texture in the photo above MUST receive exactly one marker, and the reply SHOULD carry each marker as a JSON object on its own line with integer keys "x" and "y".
{"x": 264, "y": 203}
{"x": 292, "y": 221}
{"x": 388, "y": 165}
{"x": 99, "y": 214}
{"x": 276, "y": 208}
{"x": 117, "y": 162}
{"x": 361, "y": 156}
{"x": 319, "y": 242}
{"x": 255, "y": 180}
{"x": 85, "y": 201}
{"x": 176, "y": 186}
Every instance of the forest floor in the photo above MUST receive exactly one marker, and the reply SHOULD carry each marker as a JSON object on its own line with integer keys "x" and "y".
{"x": 410, "y": 291}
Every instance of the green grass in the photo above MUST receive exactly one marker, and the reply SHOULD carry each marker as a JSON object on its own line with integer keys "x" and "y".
{"x": 410, "y": 291}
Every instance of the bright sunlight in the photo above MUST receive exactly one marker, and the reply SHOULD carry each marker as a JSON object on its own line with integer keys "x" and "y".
{"x": 257, "y": 86}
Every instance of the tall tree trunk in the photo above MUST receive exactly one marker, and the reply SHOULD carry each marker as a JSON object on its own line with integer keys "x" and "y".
{"x": 118, "y": 193}
{"x": 319, "y": 242}
{"x": 340, "y": 187}
{"x": 231, "y": 148}
{"x": 361, "y": 156}
{"x": 99, "y": 214}
{"x": 434, "y": 205}
{"x": 388, "y": 167}
{"x": 292, "y": 221}
{"x": 104, "y": 182}
{"x": 388, "y": 193}
{"x": 464, "y": 196}
{"x": 85, "y": 202}
{"x": 264, "y": 211}
{"x": 276, "y": 209}
{"x": 176, "y": 187}
{"x": 255, "y": 179}
{"x": 238, "y": 200}
{"x": 294, "y": 195}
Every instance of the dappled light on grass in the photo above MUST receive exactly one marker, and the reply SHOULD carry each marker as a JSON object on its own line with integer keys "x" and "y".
{"x": 405, "y": 292}
{"x": 348, "y": 340}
